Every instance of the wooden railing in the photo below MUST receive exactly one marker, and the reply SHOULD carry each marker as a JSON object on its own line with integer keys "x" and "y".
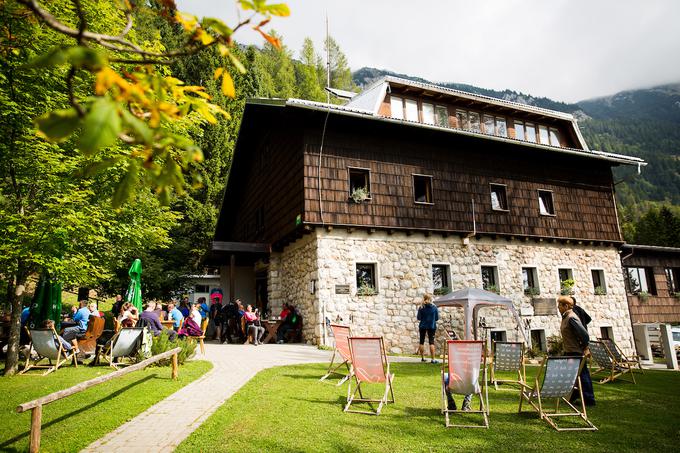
{"x": 36, "y": 405}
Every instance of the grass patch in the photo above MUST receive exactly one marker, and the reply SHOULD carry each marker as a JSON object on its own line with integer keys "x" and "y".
{"x": 76, "y": 421}
{"x": 287, "y": 409}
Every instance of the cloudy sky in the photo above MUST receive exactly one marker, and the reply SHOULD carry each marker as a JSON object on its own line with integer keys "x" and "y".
{"x": 568, "y": 50}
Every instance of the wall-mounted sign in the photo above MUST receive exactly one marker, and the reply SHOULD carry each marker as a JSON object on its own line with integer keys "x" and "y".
{"x": 341, "y": 289}
{"x": 544, "y": 306}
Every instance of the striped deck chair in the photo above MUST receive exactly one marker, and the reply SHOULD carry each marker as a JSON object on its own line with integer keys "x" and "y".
{"x": 508, "y": 356}
{"x": 124, "y": 344}
{"x": 369, "y": 365}
{"x": 607, "y": 364}
{"x": 341, "y": 334}
{"x": 463, "y": 362}
{"x": 558, "y": 376}
{"x": 619, "y": 356}
{"x": 46, "y": 344}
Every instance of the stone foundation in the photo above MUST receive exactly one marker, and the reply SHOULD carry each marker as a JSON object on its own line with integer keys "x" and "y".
{"x": 404, "y": 273}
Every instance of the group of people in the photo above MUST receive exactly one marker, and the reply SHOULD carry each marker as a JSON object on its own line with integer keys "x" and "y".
{"x": 234, "y": 322}
{"x": 573, "y": 329}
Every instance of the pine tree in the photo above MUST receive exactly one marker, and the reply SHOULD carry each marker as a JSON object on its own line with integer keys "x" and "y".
{"x": 341, "y": 75}
{"x": 307, "y": 73}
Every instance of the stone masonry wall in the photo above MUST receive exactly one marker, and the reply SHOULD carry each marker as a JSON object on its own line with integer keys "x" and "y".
{"x": 404, "y": 274}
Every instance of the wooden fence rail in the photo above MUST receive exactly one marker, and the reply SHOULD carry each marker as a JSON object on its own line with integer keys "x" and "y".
{"x": 36, "y": 405}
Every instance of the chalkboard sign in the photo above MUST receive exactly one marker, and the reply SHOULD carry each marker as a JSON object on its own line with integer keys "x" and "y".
{"x": 544, "y": 306}
{"x": 341, "y": 289}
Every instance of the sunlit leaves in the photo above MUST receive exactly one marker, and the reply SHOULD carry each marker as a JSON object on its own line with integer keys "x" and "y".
{"x": 101, "y": 126}
{"x": 127, "y": 184}
{"x": 78, "y": 56}
{"x": 59, "y": 124}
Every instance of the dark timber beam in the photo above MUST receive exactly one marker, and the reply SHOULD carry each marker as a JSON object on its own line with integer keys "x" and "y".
{"x": 251, "y": 247}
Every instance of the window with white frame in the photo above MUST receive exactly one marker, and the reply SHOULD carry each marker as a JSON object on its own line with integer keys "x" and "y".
{"x": 499, "y": 199}
{"x": 441, "y": 115}
{"x": 545, "y": 202}
{"x": 640, "y": 280}
{"x": 359, "y": 178}
{"x": 411, "y": 109}
{"x": 530, "y": 281}
{"x": 599, "y": 286}
{"x": 422, "y": 188}
{"x": 366, "y": 278}
{"x": 673, "y": 279}
{"x": 543, "y": 135}
{"x": 428, "y": 113}
{"x": 440, "y": 278}
{"x": 490, "y": 278}
{"x": 397, "y": 107}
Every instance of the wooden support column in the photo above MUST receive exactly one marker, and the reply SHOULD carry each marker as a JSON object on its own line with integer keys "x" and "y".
{"x": 36, "y": 418}
{"x": 232, "y": 277}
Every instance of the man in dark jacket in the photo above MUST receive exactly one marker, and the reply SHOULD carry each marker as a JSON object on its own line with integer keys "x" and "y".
{"x": 575, "y": 343}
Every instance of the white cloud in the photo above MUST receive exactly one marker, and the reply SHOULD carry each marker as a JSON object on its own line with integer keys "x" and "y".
{"x": 568, "y": 50}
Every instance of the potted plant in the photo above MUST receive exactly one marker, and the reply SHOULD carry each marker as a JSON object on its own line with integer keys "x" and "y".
{"x": 366, "y": 290}
{"x": 441, "y": 291}
{"x": 359, "y": 194}
{"x": 567, "y": 287}
{"x": 676, "y": 294}
{"x": 643, "y": 296}
{"x": 493, "y": 289}
{"x": 600, "y": 291}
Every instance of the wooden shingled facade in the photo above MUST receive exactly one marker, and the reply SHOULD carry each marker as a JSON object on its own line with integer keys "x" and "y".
{"x": 275, "y": 178}
{"x": 462, "y": 169}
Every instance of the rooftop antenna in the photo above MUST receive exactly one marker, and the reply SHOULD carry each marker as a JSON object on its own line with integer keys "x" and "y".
{"x": 328, "y": 62}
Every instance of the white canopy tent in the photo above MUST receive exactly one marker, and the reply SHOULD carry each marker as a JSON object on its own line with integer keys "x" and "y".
{"x": 471, "y": 300}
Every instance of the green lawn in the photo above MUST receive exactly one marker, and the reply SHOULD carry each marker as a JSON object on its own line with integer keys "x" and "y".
{"x": 287, "y": 409}
{"x": 76, "y": 421}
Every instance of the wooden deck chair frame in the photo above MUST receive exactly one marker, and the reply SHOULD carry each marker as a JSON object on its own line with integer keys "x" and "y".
{"x": 355, "y": 344}
{"x": 620, "y": 356}
{"x": 537, "y": 400}
{"x": 204, "y": 327}
{"x": 108, "y": 353}
{"x": 498, "y": 365}
{"x": 343, "y": 333}
{"x": 483, "y": 393}
{"x": 607, "y": 364}
{"x": 48, "y": 344}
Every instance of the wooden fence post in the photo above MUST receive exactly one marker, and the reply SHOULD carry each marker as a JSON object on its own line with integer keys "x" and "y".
{"x": 174, "y": 366}
{"x": 36, "y": 418}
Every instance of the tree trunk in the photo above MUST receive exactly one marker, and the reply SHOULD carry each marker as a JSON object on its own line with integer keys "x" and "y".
{"x": 12, "y": 360}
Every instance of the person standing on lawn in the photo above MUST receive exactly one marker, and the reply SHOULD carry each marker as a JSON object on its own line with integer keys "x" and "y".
{"x": 575, "y": 343}
{"x": 428, "y": 315}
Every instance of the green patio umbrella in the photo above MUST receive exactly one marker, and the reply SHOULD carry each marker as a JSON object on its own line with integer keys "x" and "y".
{"x": 134, "y": 291}
{"x": 46, "y": 303}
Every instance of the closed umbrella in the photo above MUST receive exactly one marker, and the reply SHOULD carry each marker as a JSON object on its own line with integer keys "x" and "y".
{"x": 46, "y": 303}
{"x": 134, "y": 291}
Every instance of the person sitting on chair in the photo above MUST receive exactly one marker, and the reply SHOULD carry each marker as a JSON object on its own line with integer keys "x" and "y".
{"x": 153, "y": 321}
{"x": 291, "y": 322}
{"x": 81, "y": 318}
{"x": 174, "y": 315}
{"x": 253, "y": 326}
{"x": 66, "y": 346}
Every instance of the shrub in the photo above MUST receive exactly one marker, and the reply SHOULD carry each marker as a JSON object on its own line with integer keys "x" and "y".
{"x": 567, "y": 287}
{"x": 555, "y": 345}
{"x": 162, "y": 343}
{"x": 600, "y": 291}
{"x": 532, "y": 291}
{"x": 535, "y": 352}
{"x": 366, "y": 290}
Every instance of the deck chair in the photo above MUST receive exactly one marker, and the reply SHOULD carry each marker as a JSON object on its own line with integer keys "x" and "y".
{"x": 87, "y": 343}
{"x": 124, "y": 344}
{"x": 204, "y": 327}
{"x": 607, "y": 364}
{"x": 369, "y": 365}
{"x": 47, "y": 346}
{"x": 619, "y": 356}
{"x": 508, "y": 356}
{"x": 558, "y": 376}
{"x": 341, "y": 334}
{"x": 463, "y": 361}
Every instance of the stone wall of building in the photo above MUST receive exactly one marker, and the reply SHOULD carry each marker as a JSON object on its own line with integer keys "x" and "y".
{"x": 290, "y": 273}
{"x": 404, "y": 273}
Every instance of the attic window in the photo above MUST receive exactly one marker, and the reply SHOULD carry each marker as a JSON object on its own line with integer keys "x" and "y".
{"x": 397, "y": 107}
{"x": 411, "y": 110}
{"x": 428, "y": 113}
{"x": 422, "y": 189}
{"x": 359, "y": 178}
{"x": 545, "y": 202}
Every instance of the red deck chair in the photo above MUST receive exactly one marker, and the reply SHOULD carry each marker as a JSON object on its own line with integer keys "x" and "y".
{"x": 341, "y": 334}
{"x": 369, "y": 365}
{"x": 463, "y": 362}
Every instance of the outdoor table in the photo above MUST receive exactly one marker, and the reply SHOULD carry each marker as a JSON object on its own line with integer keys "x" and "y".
{"x": 168, "y": 324}
{"x": 272, "y": 326}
